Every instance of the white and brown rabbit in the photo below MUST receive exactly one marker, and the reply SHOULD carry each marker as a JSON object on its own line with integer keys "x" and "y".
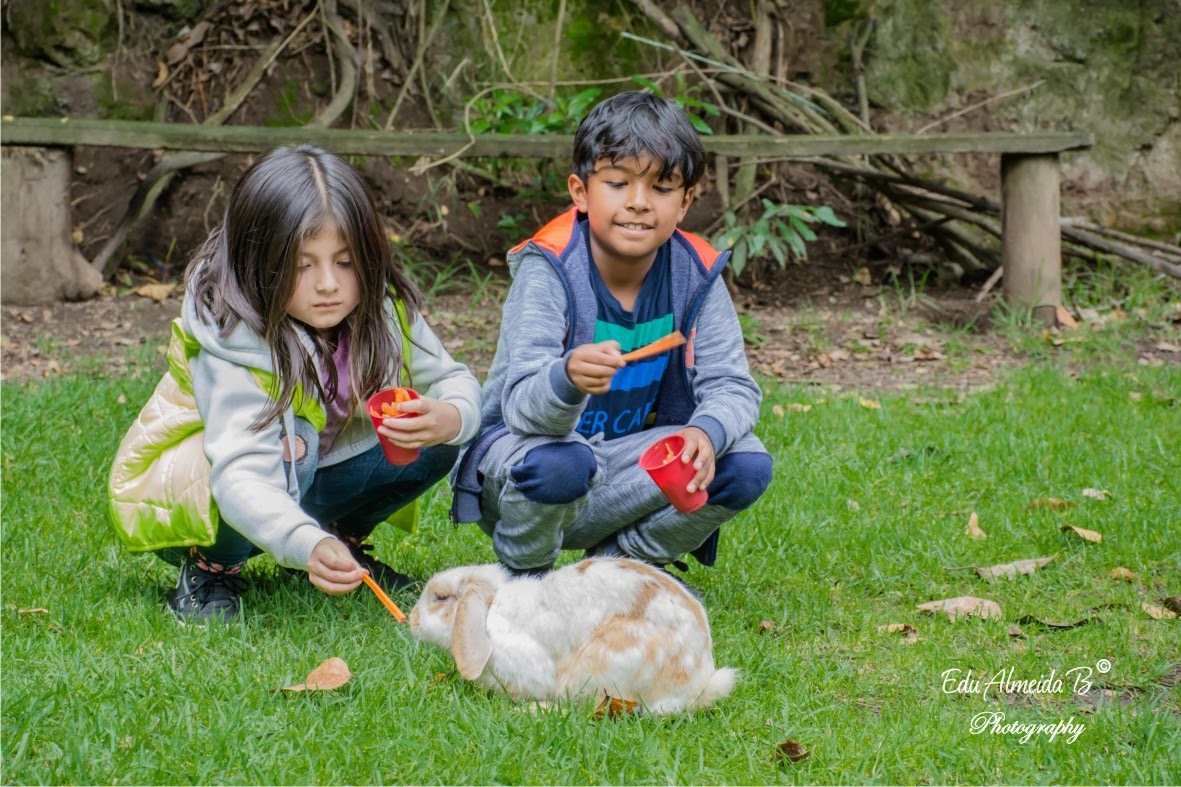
{"x": 601, "y": 627}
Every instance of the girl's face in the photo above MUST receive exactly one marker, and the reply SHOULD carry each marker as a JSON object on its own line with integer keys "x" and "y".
{"x": 327, "y": 289}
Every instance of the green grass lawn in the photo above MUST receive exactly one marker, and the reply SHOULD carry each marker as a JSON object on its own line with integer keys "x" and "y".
{"x": 871, "y": 497}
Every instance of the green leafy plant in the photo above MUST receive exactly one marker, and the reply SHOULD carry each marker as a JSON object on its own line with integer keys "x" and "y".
{"x": 781, "y": 233}
{"x": 507, "y": 111}
{"x": 511, "y": 223}
{"x": 524, "y": 113}
{"x": 752, "y": 330}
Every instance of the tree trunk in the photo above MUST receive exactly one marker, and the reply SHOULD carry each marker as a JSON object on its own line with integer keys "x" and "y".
{"x": 41, "y": 262}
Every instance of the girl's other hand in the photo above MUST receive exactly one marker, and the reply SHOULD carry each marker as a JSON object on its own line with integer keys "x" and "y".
{"x": 437, "y": 422}
{"x": 332, "y": 569}
{"x": 591, "y": 367}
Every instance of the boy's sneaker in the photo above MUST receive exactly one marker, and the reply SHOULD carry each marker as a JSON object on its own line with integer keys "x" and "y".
{"x": 386, "y": 578}
{"x": 527, "y": 573}
{"x": 201, "y": 596}
{"x": 609, "y": 547}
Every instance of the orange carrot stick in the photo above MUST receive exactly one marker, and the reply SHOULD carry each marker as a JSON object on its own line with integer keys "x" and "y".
{"x": 674, "y": 339}
{"x": 384, "y": 599}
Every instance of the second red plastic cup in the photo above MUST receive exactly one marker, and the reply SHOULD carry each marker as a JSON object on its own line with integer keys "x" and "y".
{"x": 396, "y": 454}
{"x": 663, "y": 462}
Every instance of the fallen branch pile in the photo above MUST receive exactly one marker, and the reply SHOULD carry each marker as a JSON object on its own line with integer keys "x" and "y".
{"x": 158, "y": 179}
{"x": 966, "y": 226}
{"x": 962, "y": 223}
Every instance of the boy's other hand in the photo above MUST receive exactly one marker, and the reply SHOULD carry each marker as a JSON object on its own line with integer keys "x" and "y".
{"x": 437, "y": 422}
{"x": 332, "y": 569}
{"x": 700, "y": 451}
{"x": 591, "y": 367}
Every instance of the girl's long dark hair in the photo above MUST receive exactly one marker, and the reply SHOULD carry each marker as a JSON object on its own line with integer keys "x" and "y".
{"x": 246, "y": 271}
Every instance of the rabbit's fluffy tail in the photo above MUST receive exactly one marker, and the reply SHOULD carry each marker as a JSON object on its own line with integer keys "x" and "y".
{"x": 720, "y": 684}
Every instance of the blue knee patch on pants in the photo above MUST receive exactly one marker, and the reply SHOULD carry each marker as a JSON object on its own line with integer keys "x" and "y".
{"x": 740, "y": 480}
{"x": 555, "y": 474}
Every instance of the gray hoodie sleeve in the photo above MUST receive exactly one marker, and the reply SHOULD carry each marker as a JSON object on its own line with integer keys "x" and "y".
{"x": 728, "y": 397}
{"x": 247, "y": 478}
{"x": 538, "y": 397}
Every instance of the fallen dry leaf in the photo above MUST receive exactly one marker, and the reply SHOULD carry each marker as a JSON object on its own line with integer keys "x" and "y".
{"x": 1056, "y": 624}
{"x": 1052, "y": 503}
{"x": 1158, "y": 613}
{"x": 766, "y": 626}
{"x": 778, "y": 410}
{"x": 1119, "y": 572}
{"x": 613, "y": 708}
{"x": 963, "y": 606}
{"x": 1096, "y": 494}
{"x": 1011, "y": 570}
{"x": 910, "y": 634}
{"x": 796, "y": 407}
{"x": 161, "y": 74}
{"x": 973, "y": 529}
{"x": 157, "y": 292}
{"x": 195, "y": 36}
{"x": 927, "y": 354}
{"x": 863, "y": 276}
{"x": 790, "y": 750}
{"x": 1089, "y": 535}
{"x": 1015, "y": 631}
{"x": 332, "y": 674}
{"x": 33, "y": 611}
{"x": 869, "y": 404}
{"x": 1065, "y": 319}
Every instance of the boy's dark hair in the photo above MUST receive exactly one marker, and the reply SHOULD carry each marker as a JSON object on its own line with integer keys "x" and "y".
{"x": 638, "y": 125}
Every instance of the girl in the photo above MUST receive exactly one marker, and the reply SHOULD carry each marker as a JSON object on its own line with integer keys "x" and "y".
{"x": 257, "y": 437}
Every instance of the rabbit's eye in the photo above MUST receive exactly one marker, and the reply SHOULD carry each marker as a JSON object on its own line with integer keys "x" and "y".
{"x": 441, "y": 597}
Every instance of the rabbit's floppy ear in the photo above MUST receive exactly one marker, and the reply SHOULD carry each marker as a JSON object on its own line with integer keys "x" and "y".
{"x": 470, "y": 644}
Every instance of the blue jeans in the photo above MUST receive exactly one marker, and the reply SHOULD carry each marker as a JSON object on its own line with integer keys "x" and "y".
{"x": 351, "y": 498}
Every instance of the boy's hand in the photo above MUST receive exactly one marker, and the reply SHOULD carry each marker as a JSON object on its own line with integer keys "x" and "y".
{"x": 332, "y": 569}
{"x": 437, "y": 422}
{"x": 592, "y": 366}
{"x": 700, "y": 451}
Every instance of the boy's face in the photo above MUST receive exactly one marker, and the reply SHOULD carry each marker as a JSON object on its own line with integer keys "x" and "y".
{"x": 631, "y": 211}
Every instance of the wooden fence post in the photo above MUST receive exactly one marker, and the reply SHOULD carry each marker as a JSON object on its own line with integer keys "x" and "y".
{"x": 1032, "y": 253}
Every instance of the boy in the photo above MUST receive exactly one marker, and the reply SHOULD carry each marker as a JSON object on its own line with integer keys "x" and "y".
{"x": 565, "y": 418}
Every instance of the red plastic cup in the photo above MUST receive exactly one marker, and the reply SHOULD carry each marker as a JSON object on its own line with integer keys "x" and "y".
{"x": 396, "y": 454}
{"x": 663, "y": 462}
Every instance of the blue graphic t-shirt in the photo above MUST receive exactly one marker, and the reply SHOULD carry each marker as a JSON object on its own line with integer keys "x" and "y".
{"x": 627, "y": 407}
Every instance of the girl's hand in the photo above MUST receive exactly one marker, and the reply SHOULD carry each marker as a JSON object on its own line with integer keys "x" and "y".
{"x": 700, "y": 451}
{"x": 591, "y": 367}
{"x": 332, "y": 569}
{"x": 437, "y": 422}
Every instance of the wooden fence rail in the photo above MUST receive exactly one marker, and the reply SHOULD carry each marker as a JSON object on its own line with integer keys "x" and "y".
{"x": 69, "y": 132}
{"x": 1031, "y": 237}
